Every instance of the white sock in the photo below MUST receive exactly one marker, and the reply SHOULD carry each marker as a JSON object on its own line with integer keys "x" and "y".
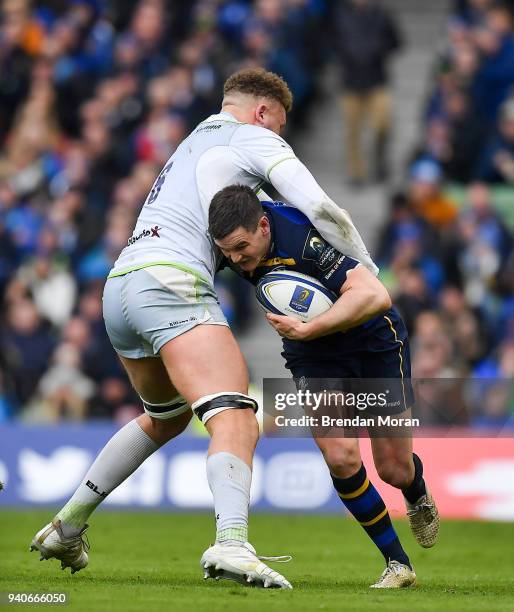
{"x": 118, "y": 459}
{"x": 230, "y": 479}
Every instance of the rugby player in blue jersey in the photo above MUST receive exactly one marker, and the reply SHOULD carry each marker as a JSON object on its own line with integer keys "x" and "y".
{"x": 361, "y": 336}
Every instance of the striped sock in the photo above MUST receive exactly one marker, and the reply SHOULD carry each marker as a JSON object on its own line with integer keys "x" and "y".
{"x": 364, "y": 502}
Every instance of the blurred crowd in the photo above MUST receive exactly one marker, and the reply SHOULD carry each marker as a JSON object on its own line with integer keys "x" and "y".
{"x": 469, "y": 116}
{"x": 450, "y": 267}
{"x": 95, "y": 95}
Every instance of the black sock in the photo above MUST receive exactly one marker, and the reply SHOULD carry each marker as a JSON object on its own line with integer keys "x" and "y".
{"x": 364, "y": 502}
{"x": 417, "y": 487}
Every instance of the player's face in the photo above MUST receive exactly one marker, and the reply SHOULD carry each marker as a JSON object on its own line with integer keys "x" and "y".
{"x": 271, "y": 115}
{"x": 247, "y": 249}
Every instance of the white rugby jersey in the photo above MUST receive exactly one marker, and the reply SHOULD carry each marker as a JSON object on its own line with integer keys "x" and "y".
{"x": 172, "y": 227}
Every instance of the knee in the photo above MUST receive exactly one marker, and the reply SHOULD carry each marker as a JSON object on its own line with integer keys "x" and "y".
{"x": 342, "y": 462}
{"x": 236, "y": 424}
{"x": 166, "y": 429}
{"x": 249, "y": 424}
{"x": 396, "y": 473}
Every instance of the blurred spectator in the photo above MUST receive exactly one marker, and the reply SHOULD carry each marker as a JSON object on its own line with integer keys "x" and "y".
{"x": 366, "y": 36}
{"x": 413, "y": 296}
{"x": 472, "y": 12}
{"x": 493, "y": 397}
{"x": 497, "y": 162}
{"x": 493, "y": 406}
{"x": 433, "y": 349}
{"x": 495, "y": 76}
{"x": 426, "y": 196}
{"x": 500, "y": 364}
{"x": 115, "y": 400}
{"x": 489, "y": 226}
{"x": 27, "y": 343}
{"x": 403, "y": 224}
{"x": 485, "y": 244}
{"x": 438, "y": 385}
{"x": 47, "y": 278}
{"x": 63, "y": 392}
{"x": 466, "y": 134}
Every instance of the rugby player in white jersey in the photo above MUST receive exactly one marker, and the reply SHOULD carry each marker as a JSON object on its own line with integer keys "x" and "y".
{"x": 164, "y": 321}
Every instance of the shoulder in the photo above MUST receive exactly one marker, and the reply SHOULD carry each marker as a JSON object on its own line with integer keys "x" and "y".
{"x": 287, "y": 214}
{"x": 255, "y": 135}
{"x": 290, "y": 229}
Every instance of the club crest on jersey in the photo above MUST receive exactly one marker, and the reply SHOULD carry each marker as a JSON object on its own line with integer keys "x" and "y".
{"x": 301, "y": 299}
{"x": 313, "y": 247}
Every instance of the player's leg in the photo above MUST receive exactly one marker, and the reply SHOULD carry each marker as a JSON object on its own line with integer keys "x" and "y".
{"x": 166, "y": 415}
{"x": 203, "y": 362}
{"x": 353, "y": 106}
{"x": 394, "y": 459}
{"x": 207, "y": 367}
{"x": 349, "y": 477}
{"x": 132, "y": 444}
{"x": 177, "y": 314}
{"x": 380, "y": 113}
{"x": 398, "y": 466}
{"x": 365, "y": 503}
{"x": 120, "y": 457}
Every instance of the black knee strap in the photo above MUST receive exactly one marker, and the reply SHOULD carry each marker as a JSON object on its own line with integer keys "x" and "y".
{"x": 176, "y": 407}
{"x": 225, "y": 401}
{"x": 159, "y": 408}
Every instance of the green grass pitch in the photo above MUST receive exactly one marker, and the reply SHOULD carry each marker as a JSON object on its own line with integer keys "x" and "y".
{"x": 150, "y": 561}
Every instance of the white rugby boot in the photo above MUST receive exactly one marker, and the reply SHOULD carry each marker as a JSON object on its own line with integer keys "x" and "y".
{"x": 243, "y": 565}
{"x": 424, "y": 520}
{"x": 396, "y": 576}
{"x": 51, "y": 543}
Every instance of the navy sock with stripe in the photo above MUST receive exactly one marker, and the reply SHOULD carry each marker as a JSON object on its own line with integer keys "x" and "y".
{"x": 363, "y": 501}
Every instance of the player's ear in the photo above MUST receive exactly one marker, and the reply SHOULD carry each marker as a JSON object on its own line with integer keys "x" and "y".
{"x": 260, "y": 113}
{"x": 264, "y": 225}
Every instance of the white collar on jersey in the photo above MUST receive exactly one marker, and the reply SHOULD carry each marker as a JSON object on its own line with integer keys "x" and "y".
{"x": 223, "y": 115}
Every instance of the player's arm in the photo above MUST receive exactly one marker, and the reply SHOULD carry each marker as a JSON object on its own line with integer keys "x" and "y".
{"x": 295, "y": 183}
{"x": 268, "y": 155}
{"x": 362, "y": 297}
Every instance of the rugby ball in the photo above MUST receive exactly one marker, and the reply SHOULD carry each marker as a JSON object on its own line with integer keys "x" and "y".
{"x": 293, "y": 294}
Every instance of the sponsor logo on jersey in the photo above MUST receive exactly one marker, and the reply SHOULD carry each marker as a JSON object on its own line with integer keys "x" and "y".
{"x": 210, "y": 127}
{"x": 301, "y": 299}
{"x": 335, "y": 267}
{"x": 153, "y": 232}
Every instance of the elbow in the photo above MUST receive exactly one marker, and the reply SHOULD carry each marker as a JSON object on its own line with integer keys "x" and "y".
{"x": 387, "y": 303}
{"x": 381, "y": 301}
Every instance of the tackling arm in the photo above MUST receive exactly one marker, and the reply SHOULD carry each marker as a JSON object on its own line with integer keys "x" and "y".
{"x": 295, "y": 183}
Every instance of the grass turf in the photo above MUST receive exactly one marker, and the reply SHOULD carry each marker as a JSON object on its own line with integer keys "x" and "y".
{"x": 149, "y": 561}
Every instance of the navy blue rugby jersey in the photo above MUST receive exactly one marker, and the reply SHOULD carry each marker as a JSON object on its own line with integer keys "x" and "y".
{"x": 297, "y": 245}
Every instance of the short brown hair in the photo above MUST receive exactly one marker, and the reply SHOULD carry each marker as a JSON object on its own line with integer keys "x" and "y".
{"x": 260, "y": 83}
{"x": 232, "y": 207}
